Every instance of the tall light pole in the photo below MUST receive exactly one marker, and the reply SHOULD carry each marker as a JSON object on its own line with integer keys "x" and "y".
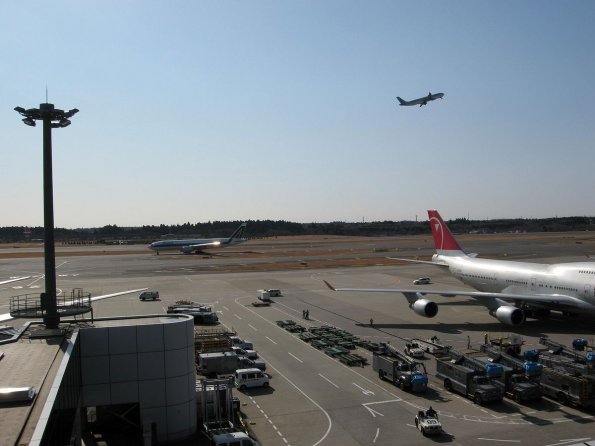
{"x": 52, "y": 118}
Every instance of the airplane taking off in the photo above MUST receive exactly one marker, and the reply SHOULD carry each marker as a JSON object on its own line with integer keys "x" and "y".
{"x": 199, "y": 245}
{"x": 510, "y": 290}
{"x": 421, "y": 101}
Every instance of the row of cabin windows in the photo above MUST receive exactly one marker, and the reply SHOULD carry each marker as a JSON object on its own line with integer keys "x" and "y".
{"x": 477, "y": 276}
{"x": 516, "y": 282}
{"x": 521, "y": 282}
{"x": 561, "y": 288}
{"x": 586, "y": 271}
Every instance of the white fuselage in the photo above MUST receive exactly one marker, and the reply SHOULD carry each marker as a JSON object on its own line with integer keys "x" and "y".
{"x": 180, "y": 245}
{"x": 503, "y": 276}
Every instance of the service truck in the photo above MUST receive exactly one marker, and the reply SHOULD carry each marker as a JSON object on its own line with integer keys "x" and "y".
{"x": 565, "y": 381}
{"x": 221, "y": 363}
{"x": 475, "y": 385}
{"x": 520, "y": 378}
{"x": 263, "y": 295}
{"x": 399, "y": 369}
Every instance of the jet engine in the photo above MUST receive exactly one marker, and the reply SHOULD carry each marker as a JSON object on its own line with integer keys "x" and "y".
{"x": 509, "y": 315}
{"x": 425, "y": 307}
{"x": 186, "y": 249}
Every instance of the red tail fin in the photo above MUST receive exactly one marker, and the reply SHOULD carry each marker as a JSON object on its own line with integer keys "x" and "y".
{"x": 444, "y": 241}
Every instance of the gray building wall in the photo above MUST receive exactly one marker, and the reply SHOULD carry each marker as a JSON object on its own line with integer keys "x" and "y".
{"x": 151, "y": 364}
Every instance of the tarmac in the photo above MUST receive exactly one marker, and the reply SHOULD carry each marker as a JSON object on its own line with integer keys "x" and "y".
{"x": 314, "y": 399}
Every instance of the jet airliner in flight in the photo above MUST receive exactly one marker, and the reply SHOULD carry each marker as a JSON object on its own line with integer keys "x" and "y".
{"x": 421, "y": 101}
{"x": 199, "y": 245}
{"x": 510, "y": 290}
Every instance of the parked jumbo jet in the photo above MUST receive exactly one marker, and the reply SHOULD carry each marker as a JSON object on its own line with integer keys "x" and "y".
{"x": 510, "y": 290}
{"x": 421, "y": 101}
{"x": 199, "y": 245}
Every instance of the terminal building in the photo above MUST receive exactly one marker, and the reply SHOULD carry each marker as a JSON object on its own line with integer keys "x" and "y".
{"x": 136, "y": 372}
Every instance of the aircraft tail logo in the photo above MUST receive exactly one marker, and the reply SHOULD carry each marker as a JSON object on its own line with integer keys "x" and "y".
{"x": 401, "y": 101}
{"x": 444, "y": 241}
{"x": 238, "y": 233}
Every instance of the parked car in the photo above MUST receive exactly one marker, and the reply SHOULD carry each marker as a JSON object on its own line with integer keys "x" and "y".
{"x": 247, "y": 363}
{"x": 250, "y": 354}
{"x": 422, "y": 281}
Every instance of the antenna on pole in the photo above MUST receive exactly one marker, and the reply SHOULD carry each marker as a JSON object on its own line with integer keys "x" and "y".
{"x": 46, "y": 94}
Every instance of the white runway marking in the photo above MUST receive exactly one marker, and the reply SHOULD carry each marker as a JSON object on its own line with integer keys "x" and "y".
{"x": 328, "y": 380}
{"x": 295, "y": 357}
{"x": 376, "y": 436}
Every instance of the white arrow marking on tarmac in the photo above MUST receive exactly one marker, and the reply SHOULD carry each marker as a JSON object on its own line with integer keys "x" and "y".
{"x": 364, "y": 391}
{"x": 372, "y": 411}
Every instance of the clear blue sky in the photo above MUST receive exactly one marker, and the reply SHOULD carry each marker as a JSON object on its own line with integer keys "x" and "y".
{"x": 192, "y": 111}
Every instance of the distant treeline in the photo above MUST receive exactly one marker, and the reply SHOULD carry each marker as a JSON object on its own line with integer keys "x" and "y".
{"x": 270, "y": 228}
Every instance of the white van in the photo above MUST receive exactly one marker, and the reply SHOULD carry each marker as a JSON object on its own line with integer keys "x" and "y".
{"x": 245, "y": 378}
{"x": 146, "y": 295}
{"x": 274, "y": 293}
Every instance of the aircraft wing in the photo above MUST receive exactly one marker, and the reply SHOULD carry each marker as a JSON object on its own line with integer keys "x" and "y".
{"x": 424, "y": 262}
{"x": 14, "y": 280}
{"x": 201, "y": 246}
{"x": 554, "y": 301}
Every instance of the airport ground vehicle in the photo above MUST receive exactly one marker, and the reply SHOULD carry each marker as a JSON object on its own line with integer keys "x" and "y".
{"x": 422, "y": 281}
{"x": 149, "y": 295}
{"x": 565, "y": 380}
{"x": 274, "y": 292}
{"x": 247, "y": 378}
{"x": 399, "y": 369}
{"x": 250, "y": 354}
{"x": 232, "y": 439}
{"x": 475, "y": 384}
{"x": 428, "y": 424}
{"x": 236, "y": 341}
{"x": 221, "y": 363}
{"x": 576, "y": 355}
{"x": 432, "y": 346}
{"x": 520, "y": 378}
{"x": 203, "y": 314}
{"x": 247, "y": 363}
{"x": 414, "y": 350}
{"x": 263, "y": 295}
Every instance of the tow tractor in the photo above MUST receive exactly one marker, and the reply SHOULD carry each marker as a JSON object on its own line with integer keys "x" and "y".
{"x": 428, "y": 423}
